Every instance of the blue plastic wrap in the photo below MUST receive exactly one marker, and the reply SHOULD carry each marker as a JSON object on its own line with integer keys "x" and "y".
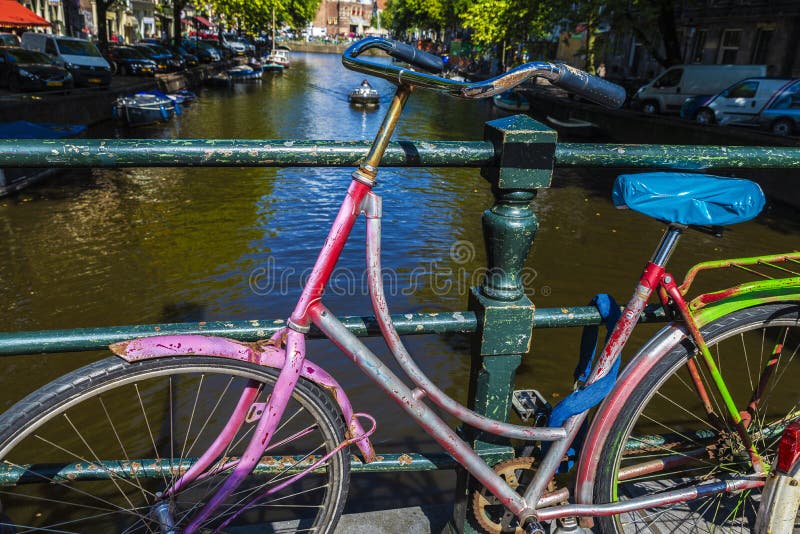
{"x": 689, "y": 199}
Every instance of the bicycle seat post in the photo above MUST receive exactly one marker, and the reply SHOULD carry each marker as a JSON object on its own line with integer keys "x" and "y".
{"x": 667, "y": 245}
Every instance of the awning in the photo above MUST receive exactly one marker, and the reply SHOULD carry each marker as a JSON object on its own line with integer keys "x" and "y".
{"x": 15, "y": 15}
{"x": 358, "y": 21}
{"x": 203, "y": 21}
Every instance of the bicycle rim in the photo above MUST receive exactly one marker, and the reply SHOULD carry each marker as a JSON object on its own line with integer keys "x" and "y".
{"x": 137, "y": 426}
{"x": 664, "y": 420}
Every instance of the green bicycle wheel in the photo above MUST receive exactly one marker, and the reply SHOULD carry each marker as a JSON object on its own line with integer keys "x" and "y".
{"x": 664, "y": 419}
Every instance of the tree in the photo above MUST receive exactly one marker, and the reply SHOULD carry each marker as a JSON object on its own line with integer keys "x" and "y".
{"x": 177, "y": 29}
{"x": 432, "y": 15}
{"x": 663, "y": 44}
{"x": 102, "y": 26}
{"x": 257, "y": 14}
{"x": 505, "y": 22}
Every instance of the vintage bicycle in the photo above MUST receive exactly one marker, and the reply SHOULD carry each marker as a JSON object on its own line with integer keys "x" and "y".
{"x": 187, "y": 433}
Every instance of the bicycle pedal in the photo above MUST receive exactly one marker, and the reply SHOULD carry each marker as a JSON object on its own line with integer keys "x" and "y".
{"x": 530, "y": 405}
{"x": 533, "y": 527}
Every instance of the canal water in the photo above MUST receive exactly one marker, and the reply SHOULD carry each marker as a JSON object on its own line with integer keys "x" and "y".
{"x": 113, "y": 247}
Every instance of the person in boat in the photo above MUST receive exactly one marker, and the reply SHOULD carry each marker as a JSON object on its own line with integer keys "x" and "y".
{"x": 365, "y": 85}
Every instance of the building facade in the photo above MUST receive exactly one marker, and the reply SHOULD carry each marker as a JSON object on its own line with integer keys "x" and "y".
{"x": 761, "y": 32}
{"x": 346, "y": 17}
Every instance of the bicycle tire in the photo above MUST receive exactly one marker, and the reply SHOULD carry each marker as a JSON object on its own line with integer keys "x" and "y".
{"x": 642, "y": 433}
{"x": 103, "y": 411}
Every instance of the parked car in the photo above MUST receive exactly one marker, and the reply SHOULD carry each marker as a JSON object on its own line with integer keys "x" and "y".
{"x": 159, "y": 59}
{"x": 741, "y": 102}
{"x": 204, "y": 52}
{"x": 28, "y": 70}
{"x": 667, "y": 92}
{"x": 174, "y": 62}
{"x": 191, "y": 59}
{"x": 692, "y": 105}
{"x": 8, "y": 39}
{"x": 127, "y": 60}
{"x": 781, "y": 115}
{"x": 236, "y": 47}
{"x": 79, "y": 56}
{"x": 223, "y": 51}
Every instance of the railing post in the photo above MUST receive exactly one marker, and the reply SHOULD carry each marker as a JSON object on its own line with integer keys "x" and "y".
{"x": 526, "y": 151}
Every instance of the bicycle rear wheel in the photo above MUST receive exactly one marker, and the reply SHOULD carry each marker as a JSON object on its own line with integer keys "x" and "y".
{"x": 90, "y": 451}
{"x": 664, "y": 419}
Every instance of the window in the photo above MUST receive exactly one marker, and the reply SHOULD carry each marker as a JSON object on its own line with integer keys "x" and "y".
{"x": 671, "y": 78}
{"x": 761, "y": 46}
{"x": 788, "y": 99}
{"x": 746, "y": 89}
{"x": 699, "y": 46}
{"x": 729, "y": 46}
{"x": 50, "y": 47}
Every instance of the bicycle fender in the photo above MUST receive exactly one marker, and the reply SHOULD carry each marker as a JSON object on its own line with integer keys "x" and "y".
{"x": 266, "y": 354}
{"x": 598, "y": 435}
{"x": 711, "y": 306}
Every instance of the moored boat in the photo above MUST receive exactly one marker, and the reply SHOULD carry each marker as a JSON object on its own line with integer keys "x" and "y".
{"x": 241, "y": 73}
{"x": 511, "y": 101}
{"x": 146, "y": 108}
{"x": 14, "y": 179}
{"x": 278, "y": 57}
{"x": 364, "y": 95}
{"x": 269, "y": 66}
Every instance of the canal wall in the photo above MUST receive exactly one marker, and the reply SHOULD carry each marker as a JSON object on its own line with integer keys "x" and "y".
{"x": 93, "y": 105}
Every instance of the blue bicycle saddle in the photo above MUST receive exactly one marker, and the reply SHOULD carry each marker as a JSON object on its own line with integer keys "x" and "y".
{"x": 689, "y": 199}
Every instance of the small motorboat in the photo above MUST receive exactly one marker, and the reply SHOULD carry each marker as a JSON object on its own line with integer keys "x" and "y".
{"x": 575, "y": 127}
{"x": 364, "y": 95}
{"x": 270, "y": 66}
{"x": 511, "y": 101}
{"x": 278, "y": 57}
{"x": 14, "y": 179}
{"x": 243, "y": 73}
{"x": 145, "y": 108}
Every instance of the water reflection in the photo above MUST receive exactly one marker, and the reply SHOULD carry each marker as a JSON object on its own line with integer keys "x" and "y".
{"x": 147, "y": 245}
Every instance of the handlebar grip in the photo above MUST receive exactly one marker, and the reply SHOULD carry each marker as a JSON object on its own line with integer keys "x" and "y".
{"x": 590, "y": 87}
{"x": 415, "y": 56}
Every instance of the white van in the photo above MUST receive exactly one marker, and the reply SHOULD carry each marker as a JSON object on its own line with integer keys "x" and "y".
{"x": 742, "y": 102}
{"x": 79, "y": 56}
{"x": 671, "y": 88}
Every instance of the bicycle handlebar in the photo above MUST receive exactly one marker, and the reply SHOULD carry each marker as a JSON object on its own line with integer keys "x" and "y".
{"x": 569, "y": 78}
{"x": 414, "y": 56}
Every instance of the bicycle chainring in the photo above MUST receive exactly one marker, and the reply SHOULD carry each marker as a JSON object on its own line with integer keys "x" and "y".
{"x": 489, "y": 513}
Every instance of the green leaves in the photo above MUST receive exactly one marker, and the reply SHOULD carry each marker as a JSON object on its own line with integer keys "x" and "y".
{"x": 256, "y": 15}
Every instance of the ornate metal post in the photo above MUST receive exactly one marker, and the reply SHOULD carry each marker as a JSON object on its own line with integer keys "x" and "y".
{"x": 505, "y": 314}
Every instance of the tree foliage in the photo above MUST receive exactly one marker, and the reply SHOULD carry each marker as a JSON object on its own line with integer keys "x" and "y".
{"x": 255, "y": 15}
{"x": 493, "y": 22}
{"x": 498, "y": 21}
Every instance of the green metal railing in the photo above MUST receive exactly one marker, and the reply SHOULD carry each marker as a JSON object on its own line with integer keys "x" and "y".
{"x": 517, "y": 157}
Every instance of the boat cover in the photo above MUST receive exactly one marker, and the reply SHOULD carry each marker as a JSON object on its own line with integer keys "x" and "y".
{"x": 38, "y": 130}
{"x": 689, "y": 199}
